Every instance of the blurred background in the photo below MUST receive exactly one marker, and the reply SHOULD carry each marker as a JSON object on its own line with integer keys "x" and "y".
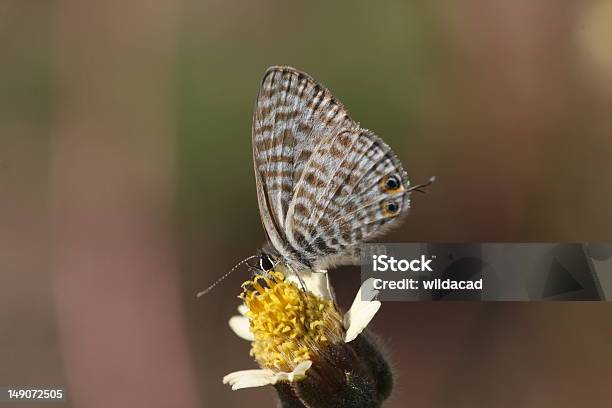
{"x": 126, "y": 186}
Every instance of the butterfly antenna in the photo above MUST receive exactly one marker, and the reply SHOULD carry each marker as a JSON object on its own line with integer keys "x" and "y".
{"x": 420, "y": 187}
{"x": 208, "y": 289}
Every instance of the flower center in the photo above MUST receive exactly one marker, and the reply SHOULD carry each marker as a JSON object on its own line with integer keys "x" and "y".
{"x": 288, "y": 324}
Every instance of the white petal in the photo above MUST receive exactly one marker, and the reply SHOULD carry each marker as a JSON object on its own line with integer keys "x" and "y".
{"x": 259, "y": 378}
{"x": 243, "y": 309}
{"x": 300, "y": 370}
{"x": 241, "y": 326}
{"x": 362, "y": 310}
{"x": 316, "y": 282}
{"x": 249, "y": 378}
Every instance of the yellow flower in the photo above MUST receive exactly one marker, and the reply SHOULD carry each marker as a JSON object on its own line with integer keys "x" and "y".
{"x": 290, "y": 321}
{"x": 288, "y": 324}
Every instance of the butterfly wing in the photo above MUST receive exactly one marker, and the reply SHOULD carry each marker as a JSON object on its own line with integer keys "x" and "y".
{"x": 352, "y": 189}
{"x": 292, "y": 115}
{"x": 321, "y": 180}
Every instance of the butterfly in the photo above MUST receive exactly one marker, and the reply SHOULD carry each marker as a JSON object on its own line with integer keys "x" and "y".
{"x": 324, "y": 184}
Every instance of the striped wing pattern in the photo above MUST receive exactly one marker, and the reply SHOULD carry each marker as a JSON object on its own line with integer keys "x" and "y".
{"x": 320, "y": 177}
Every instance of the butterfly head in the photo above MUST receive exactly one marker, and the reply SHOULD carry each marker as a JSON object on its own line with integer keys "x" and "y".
{"x": 265, "y": 262}
{"x": 268, "y": 258}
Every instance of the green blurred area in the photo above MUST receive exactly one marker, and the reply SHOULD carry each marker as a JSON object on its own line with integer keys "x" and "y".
{"x": 513, "y": 124}
{"x": 219, "y": 75}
